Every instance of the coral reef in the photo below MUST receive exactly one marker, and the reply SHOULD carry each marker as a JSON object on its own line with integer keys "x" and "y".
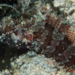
{"x": 38, "y": 65}
{"x": 39, "y": 28}
{"x": 68, "y": 8}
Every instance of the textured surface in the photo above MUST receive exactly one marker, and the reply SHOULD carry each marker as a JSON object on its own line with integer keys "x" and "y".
{"x": 38, "y": 65}
{"x": 41, "y": 27}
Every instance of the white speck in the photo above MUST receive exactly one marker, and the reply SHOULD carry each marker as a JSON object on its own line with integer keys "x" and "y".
{"x": 3, "y": 35}
{"x": 48, "y": 46}
{"x": 59, "y": 54}
{"x": 0, "y": 37}
{"x": 15, "y": 41}
{"x": 42, "y": 43}
{"x": 27, "y": 46}
{"x": 3, "y": 61}
{"x": 12, "y": 63}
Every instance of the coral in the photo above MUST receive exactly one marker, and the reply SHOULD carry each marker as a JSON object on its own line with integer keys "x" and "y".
{"x": 41, "y": 31}
{"x": 68, "y": 9}
{"x": 49, "y": 36}
{"x": 38, "y": 65}
{"x": 66, "y": 5}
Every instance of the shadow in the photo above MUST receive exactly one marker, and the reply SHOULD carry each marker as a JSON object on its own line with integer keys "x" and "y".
{"x": 6, "y": 53}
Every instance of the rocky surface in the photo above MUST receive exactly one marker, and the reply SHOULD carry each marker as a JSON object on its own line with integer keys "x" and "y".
{"x": 27, "y": 64}
{"x": 41, "y": 27}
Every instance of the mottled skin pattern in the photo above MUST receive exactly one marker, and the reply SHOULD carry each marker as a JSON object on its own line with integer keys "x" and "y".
{"x": 47, "y": 37}
{"x": 61, "y": 42}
